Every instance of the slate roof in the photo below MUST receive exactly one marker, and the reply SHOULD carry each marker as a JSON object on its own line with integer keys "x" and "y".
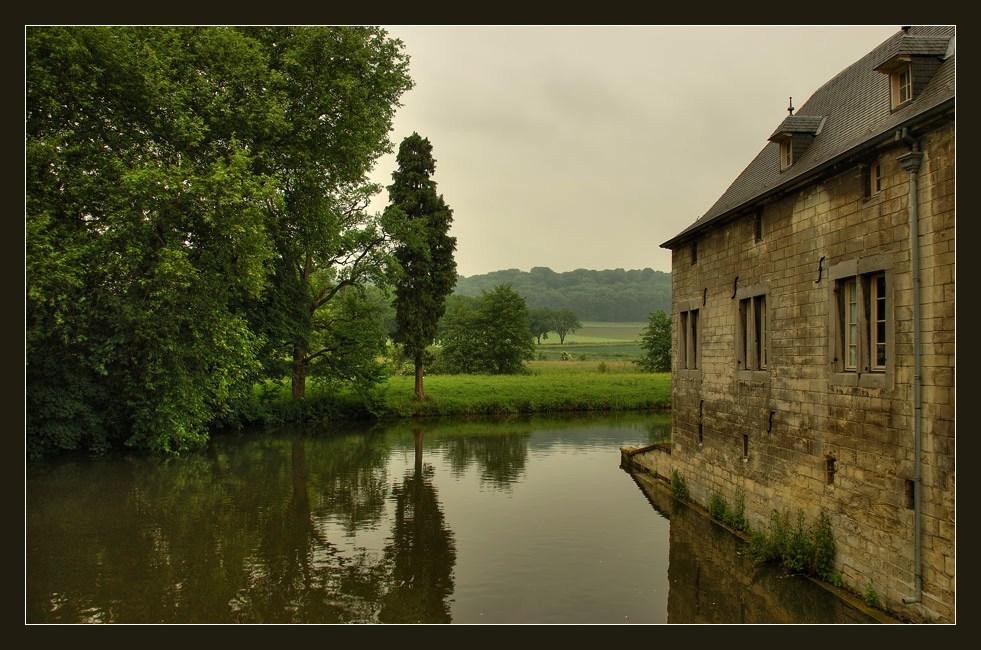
{"x": 914, "y": 45}
{"x": 799, "y": 124}
{"x": 856, "y": 107}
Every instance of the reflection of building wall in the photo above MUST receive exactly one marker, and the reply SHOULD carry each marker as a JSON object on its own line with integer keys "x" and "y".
{"x": 713, "y": 580}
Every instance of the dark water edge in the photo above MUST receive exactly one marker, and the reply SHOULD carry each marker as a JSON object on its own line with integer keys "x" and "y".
{"x": 703, "y": 574}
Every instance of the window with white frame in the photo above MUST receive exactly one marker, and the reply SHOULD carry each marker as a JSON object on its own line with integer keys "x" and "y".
{"x": 901, "y": 81}
{"x": 786, "y": 154}
{"x": 862, "y": 343}
{"x": 688, "y": 340}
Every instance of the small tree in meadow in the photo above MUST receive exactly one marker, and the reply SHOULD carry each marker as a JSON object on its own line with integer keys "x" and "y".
{"x": 656, "y": 343}
{"x": 565, "y": 323}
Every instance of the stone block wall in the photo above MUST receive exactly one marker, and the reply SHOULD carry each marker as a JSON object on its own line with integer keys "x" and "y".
{"x": 803, "y": 434}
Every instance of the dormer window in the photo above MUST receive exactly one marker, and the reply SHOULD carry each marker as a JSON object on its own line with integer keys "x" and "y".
{"x": 794, "y": 135}
{"x": 902, "y": 85}
{"x": 910, "y": 61}
{"x": 786, "y": 154}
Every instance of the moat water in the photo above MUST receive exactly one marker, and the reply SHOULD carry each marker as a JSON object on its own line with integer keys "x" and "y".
{"x": 523, "y": 521}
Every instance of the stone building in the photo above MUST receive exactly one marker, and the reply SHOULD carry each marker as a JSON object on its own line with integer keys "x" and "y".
{"x": 813, "y": 317}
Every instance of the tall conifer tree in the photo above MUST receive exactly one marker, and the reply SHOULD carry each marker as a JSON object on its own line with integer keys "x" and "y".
{"x": 425, "y": 250}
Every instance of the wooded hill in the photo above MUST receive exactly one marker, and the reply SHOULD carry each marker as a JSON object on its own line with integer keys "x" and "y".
{"x": 609, "y": 296}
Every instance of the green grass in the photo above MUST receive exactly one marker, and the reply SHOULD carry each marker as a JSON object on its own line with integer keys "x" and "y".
{"x": 594, "y": 371}
{"x": 600, "y": 332}
{"x": 548, "y": 387}
{"x": 595, "y": 341}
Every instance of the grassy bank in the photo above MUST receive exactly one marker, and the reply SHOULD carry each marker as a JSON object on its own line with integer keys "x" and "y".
{"x": 548, "y": 387}
{"x": 593, "y": 371}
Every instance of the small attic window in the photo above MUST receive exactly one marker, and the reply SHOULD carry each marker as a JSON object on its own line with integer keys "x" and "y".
{"x": 794, "y": 135}
{"x": 786, "y": 153}
{"x": 911, "y": 61}
{"x": 901, "y": 82}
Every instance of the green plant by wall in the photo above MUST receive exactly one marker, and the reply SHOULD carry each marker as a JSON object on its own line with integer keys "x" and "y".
{"x": 718, "y": 508}
{"x": 872, "y": 597}
{"x": 737, "y": 516}
{"x": 799, "y": 548}
{"x": 679, "y": 487}
{"x": 734, "y": 517}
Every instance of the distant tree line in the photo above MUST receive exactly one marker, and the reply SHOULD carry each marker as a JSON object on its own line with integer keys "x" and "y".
{"x": 608, "y": 296}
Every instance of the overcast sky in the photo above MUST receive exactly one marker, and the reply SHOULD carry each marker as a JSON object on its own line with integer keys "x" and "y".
{"x": 589, "y": 147}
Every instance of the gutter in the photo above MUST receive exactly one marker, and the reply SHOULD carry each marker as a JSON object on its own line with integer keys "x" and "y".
{"x": 911, "y": 163}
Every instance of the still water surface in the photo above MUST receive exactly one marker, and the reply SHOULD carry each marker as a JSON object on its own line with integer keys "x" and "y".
{"x": 524, "y": 521}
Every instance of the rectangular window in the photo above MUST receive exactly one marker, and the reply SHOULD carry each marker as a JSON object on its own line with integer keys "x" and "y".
{"x": 694, "y": 252}
{"x": 902, "y": 86}
{"x": 688, "y": 351}
{"x": 758, "y": 226}
{"x": 877, "y": 284}
{"x": 875, "y": 179}
{"x": 863, "y": 317}
{"x": 752, "y": 334}
{"x": 786, "y": 154}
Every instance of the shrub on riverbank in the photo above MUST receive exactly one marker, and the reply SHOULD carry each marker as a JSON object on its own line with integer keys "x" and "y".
{"x": 548, "y": 387}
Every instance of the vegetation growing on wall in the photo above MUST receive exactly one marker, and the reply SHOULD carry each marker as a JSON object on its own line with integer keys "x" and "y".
{"x": 798, "y": 547}
{"x": 734, "y": 516}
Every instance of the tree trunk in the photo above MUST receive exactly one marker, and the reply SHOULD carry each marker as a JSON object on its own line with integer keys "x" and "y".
{"x": 420, "y": 391}
{"x": 299, "y": 373}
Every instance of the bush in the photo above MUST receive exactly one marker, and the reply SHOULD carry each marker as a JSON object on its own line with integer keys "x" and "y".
{"x": 797, "y": 547}
{"x": 872, "y": 597}
{"x": 718, "y": 509}
{"x": 679, "y": 487}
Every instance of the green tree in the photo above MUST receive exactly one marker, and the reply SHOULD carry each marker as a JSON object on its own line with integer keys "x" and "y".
{"x": 540, "y": 321}
{"x": 340, "y": 86}
{"x": 459, "y": 335}
{"x": 565, "y": 323}
{"x": 656, "y": 343}
{"x": 502, "y": 318}
{"x": 176, "y": 178}
{"x": 488, "y": 334}
{"x": 421, "y": 221}
{"x": 144, "y": 232}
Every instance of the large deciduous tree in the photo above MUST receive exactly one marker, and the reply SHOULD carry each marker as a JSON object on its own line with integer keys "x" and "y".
{"x": 174, "y": 177}
{"x": 424, "y": 250}
{"x": 507, "y": 339}
{"x": 341, "y": 87}
{"x": 144, "y": 231}
{"x": 487, "y": 334}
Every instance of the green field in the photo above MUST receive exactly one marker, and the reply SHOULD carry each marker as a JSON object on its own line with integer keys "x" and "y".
{"x": 595, "y": 341}
{"x": 593, "y": 370}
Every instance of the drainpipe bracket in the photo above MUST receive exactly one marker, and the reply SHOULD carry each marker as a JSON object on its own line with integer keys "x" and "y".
{"x": 911, "y": 160}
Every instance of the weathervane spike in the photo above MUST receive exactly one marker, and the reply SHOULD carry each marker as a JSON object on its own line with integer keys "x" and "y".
{"x": 790, "y": 108}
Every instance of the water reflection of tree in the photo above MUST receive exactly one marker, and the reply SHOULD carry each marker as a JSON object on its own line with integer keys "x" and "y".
{"x": 234, "y": 535}
{"x": 658, "y": 428}
{"x": 421, "y": 551}
{"x": 501, "y": 458}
